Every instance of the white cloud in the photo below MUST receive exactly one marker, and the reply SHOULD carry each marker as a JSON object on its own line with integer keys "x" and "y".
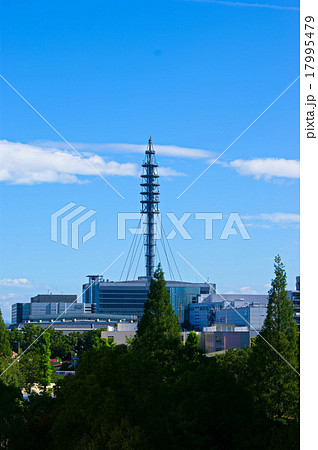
{"x": 278, "y": 218}
{"x": 247, "y": 290}
{"x": 266, "y": 168}
{"x": 258, "y": 225}
{"x": 33, "y": 164}
{"x": 16, "y": 282}
{"x": 168, "y": 172}
{"x": 248, "y": 5}
{"x": 6, "y": 302}
{"x": 115, "y": 148}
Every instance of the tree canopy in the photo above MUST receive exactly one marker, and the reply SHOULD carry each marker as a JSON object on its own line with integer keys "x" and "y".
{"x": 275, "y": 355}
{"x": 5, "y": 348}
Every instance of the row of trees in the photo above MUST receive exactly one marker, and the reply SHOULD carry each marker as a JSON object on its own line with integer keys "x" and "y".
{"x": 62, "y": 346}
{"x": 159, "y": 394}
{"x": 25, "y": 371}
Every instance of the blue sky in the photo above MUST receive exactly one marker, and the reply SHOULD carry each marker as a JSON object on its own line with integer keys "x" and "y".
{"x": 194, "y": 75}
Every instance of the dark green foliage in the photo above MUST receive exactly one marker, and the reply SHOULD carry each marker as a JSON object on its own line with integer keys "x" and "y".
{"x": 45, "y": 366}
{"x": 11, "y": 417}
{"x": 14, "y": 337}
{"x": 158, "y": 394}
{"x": 274, "y": 359}
{"x": 10, "y": 372}
{"x": 29, "y": 334}
{"x": 39, "y": 413}
{"x": 29, "y": 365}
{"x": 5, "y": 348}
{"x": 107, "y": 395}
{"x": 236, "y": 361}
{"x": 158, "y": 333}
{"x": 191, "y": 348}
{"x": 159, "y": 318}
{"x": 212, "y": 408}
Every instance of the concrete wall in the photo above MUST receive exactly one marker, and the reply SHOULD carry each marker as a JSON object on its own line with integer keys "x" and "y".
{"x": 119, "y": 336}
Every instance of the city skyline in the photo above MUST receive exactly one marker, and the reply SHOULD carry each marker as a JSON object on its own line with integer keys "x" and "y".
{"x": 108, "y": 116}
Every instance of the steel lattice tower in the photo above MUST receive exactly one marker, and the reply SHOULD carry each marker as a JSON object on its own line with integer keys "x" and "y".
{"x": 150, "y": 205}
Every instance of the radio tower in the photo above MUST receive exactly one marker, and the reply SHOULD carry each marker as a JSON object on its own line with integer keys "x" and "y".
{"x": 150, "y": 205}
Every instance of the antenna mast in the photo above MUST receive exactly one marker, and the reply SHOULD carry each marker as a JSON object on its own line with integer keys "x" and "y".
{"x": 150, "y": 205}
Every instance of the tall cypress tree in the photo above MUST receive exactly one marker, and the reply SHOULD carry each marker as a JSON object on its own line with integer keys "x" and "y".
{"x": 159, "y": 317}
{"x": 158, "y": 333}
{"x": 5, "y": 348}
{"x": 274, "y": 358}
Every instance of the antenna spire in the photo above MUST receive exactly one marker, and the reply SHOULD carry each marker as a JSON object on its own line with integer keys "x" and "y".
{"x": 150, "y": 205}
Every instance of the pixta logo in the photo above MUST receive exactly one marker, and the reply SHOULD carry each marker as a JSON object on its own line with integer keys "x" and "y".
{"x": 232, "y": 225}
{"x": 61, "y": 219}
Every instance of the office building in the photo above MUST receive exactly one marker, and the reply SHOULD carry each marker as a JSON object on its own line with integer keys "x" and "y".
{"x": 209, "y": 309}
{"x": 126, "y": 299}
{"x": 295, "y": 298}
{"x": 45, "y": 307}
{"x": 221, "y": 337}
{"x": 252, "y": 315}
{"x": 17, "y": 313}
{"x": 54, "y": 298}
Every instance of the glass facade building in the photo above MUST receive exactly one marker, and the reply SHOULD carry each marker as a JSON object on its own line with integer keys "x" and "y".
{"x": 126, "y": 299}
{"x": 204, "y": 313}
{"x": 252, "y": 316}
{"x": 17, "y": 313}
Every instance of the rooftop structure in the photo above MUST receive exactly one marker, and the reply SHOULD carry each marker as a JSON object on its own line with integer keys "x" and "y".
{"x": 120, "y": 299}
{"x": 204, "y": 313}
{"x": 54, "y": 298}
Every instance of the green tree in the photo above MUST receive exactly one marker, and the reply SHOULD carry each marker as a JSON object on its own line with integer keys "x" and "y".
{"x": 191, "y": 348}
{"x": 158, "y": 332}
{"x": 60, "y": 344}
{"x": 108, "y": 342}
{"x": 45, "y": 363}
{"x": 29, "y": 334}
{"x": 29, "y": 365}
{"x": 159, "y": 316}
{"x": 11, "y": 417}
{"x": 274, "y": 357}
{"x": 236, "y": 361}
{"x": 15, "y": 338}
{"x": 5, "y": 348}
{"x": 88, "y": 340}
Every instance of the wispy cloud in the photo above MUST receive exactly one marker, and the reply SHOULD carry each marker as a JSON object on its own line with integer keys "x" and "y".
{"x": 33, "y": 164}
{"x": 266, "y": 168}
{"x": 16, "y": 282}
{"x": 247, "y": 290}
{"x": 247, "y": 5}
{"x": 278, "y": 218}
{"x": 281, "y": 217}
{"x": 117, "y": 148}
{"x": 6, "y": 302}
{"x": 169, "y": 172}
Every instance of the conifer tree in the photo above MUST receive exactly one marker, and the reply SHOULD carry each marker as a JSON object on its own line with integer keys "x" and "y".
{"x": 5, "y": 348}
{"x": 158, "y": 334}
{"x": 274, "y": 358}
{"x": 159, "y": 317}
{"x": 45, "y": 363}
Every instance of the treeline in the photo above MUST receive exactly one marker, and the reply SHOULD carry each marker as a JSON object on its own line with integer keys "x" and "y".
{"x": 33, "y": 348}
{"x": 63, "y": 346}
{"x": 159, "y": 394}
